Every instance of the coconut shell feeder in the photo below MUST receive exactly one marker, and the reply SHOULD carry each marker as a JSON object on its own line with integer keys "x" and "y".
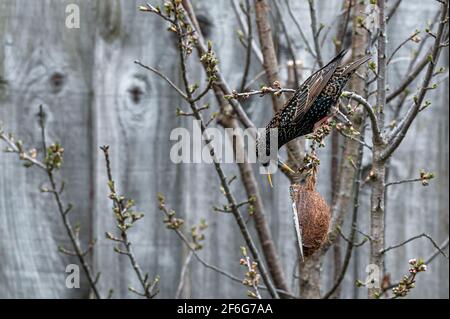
{"x": 311, "y": 215}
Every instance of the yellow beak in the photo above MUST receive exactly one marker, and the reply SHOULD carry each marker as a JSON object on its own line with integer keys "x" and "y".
{"x": 286, "y": 167}
{"x": 269, "y": 177}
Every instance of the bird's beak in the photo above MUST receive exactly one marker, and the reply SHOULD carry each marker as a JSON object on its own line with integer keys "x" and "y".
{"x": 269, "y": 178}
{"x": 286, "y": 167}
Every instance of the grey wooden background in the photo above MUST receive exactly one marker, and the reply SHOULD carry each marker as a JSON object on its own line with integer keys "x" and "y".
{"x": 85, "y": 78}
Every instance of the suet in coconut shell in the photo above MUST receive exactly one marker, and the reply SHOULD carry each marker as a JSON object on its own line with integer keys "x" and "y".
{"x": 311, "y": 217}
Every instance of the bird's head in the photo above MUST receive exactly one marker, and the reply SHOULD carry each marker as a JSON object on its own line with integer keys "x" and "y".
{"x": 267, "y": 147}
{"x": 267, "y": 153}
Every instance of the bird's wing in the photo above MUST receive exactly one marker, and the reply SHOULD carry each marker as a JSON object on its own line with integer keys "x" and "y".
{"x": 311, "y": 89}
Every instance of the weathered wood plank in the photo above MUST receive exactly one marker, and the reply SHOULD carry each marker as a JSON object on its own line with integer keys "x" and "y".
{"x": 44, "y": 63}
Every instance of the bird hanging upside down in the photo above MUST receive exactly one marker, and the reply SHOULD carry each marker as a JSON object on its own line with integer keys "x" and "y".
{"x": 309, "y": 107}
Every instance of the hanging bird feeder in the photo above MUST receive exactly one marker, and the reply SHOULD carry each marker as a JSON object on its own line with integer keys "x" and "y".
{"x": 311, "y": 215}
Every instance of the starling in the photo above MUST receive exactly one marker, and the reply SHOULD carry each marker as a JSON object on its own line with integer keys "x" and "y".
{"x": 310, "y": 106}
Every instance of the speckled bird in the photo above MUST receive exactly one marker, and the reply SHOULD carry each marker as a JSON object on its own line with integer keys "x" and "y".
{"x": 311, "y": 104}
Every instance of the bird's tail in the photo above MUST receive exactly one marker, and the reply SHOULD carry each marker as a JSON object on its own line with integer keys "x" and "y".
{"x": 338, "y": 58}
{"x": 352, "y": 66}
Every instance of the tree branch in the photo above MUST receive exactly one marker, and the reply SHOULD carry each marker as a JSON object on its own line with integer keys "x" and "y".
{"x": 122, "y": 208}
{"x": 223, "y": 180}
{"x": 164, "y": 77}
{"x": 369, "y": 109}
{"x": 207, "y": 265}
{"x": 410, "y": 38}
{"x": 312, "y": 12}
{"x": 52, "y": 161}
{"x": 300, "y": 30}
{"x": 247, "y": 30}
{"x": 432, "y": 59}
{"x": 383, "y": 251}
{"x": 353, "y": 232}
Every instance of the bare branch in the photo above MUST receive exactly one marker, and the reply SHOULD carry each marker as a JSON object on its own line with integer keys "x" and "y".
{"x": 203, "y": 93}
{"x": 223, "y": 179}
{"x": 247, "y": 30}
{"x": 410, "y": 38}
{"x": 363, "y": 143}
{"x": 265, "y": 90}
{"x": 288, "y": 42}
{"x": 383, "y": 251}
{"x": 424, "y": 177}
{"x": 49, "y": 165}
{"x": 300, "y": 30}
{"x": 369, "y": 109}
{"x": 353, "y": 232}
{"x": 315, "y": 31}
{"x": 428, "y": 260}
{"x": 184, "y": 269}
{"x": 164, "y": 77}
{"x": 409, "y": 79}
{"x": 342, "y": 26}
{"x": 250, "y": 43}
{"x": 122, "y": 209}
{"x": 442, "y": 247}
{"x": 207, "y": 265}
{"x": 432, "y": 59}
{"x": 392, "y": 11}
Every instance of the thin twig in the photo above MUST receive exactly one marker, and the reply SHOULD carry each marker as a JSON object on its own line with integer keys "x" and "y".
{"x": 315, "y": 32}
{"x": 183, "y": 273}
{"x": 383, "y": 251}
{"x": 353, "y": 233}
{"x": 411, "y": 37}
{"x": 265, "y": 90}
{"x": 343, "y": 22}
{"x": 223, "y": 179}
{"x": 442, "y": 246}
{"x": 363, "y": 143}
{"x": 207, "y": 265}
{"x": 373, "y": 118}
{"x": 392, "y": 11}
{"x": 249, "y": 40}
{"x": 300, "y": 30}
{"x": 244, "y": 26}
{"x": 204, "y": 92}
{"x": 428, "y": 260}
{"x": 288, "y": 42}
{"x": 412, "y": 180}
{"x": 23, "y": 155}
{"x": 71, "y": 232}
{"x": 354, "y": 244}
{"x": 63, "y": 212}
{"x": 121, "y": 210}
{"x": 409, "y": 79}
{"x": 164, "y": 77}
{"x": 432, "y": 59}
